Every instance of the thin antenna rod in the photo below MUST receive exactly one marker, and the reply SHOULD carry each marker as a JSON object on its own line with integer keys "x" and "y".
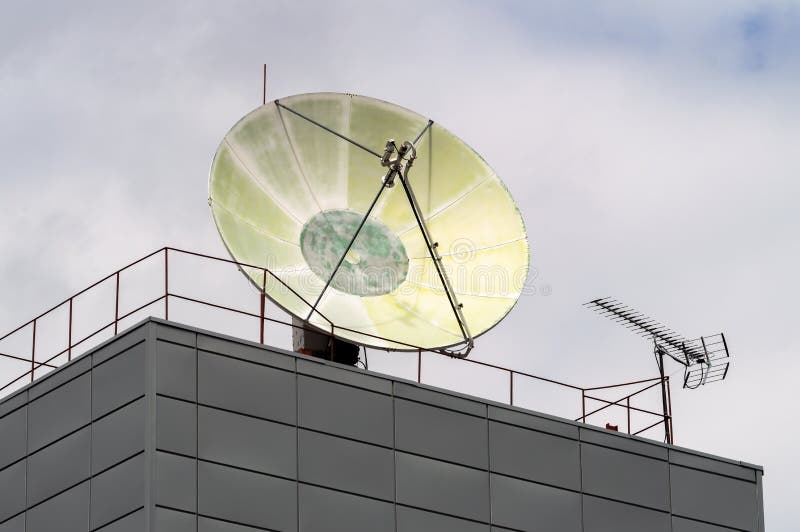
{"x": 264, "y": 97}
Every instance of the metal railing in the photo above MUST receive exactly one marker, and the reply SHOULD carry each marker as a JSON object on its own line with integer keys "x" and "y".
{"x": 36, "y": 362}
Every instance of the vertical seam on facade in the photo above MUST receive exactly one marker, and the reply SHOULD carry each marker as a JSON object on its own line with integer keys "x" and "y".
{"x": 91, "y": 436}
{"x": 27, "y": 450}
{"x": 580, "y": 478}
{"x": 196, "y": 435}
{"x": 297, "y": 445}
{"x": 489, "y": 465}
{"x": 394, "y": 454}
{"x": 669, "y": 487}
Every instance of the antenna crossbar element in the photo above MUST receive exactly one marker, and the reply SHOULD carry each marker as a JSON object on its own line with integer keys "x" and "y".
{"x": 705, "y": 359}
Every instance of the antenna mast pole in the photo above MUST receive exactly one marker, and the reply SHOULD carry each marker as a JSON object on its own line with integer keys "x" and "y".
{"x": 264, "y": 86}
{"x": 667, "y": 417}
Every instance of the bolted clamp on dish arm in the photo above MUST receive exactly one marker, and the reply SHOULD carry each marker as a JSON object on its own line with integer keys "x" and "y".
{"x": 399, "y": 161}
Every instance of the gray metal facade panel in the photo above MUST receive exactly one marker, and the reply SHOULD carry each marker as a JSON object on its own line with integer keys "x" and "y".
{"x": 423, "y": 394}
{"x": 323, "y": 510}
{"x": 413, "y": 520}
{"x": 12, "y": 490}
{"x": 59, "y": 412}
{"x": 535, "y": 456}
{"x": 315, "y": 368}
{"x": 118, "y": 435}
{"x": 15, "y": 524}
{"x": 600, "y": 515}
{"x": 352, "y": 467}
{"x": 447, "y": 488}
{"x": 246, "y": 497}
{"x": 529, "y": 506}
{"x": 712, "y": 466}
{"x": 624, "y": 476}
{"x": 345, "y": 411}
{"x": 118, "y": 380}
{"x": 13, "y": 435}
{"x": 54, "y": 379}
{"x": 176, "y": 370}
{"x": 204, "y": 524}
{"x": 13, "y": 402}
{"x": 346, "y": 465}
{"x": 263, "y": 355}
{"x": 176, "y": 426}
{"x": 130, "y": 523}
{"x": 66, "y": 512}
{"x": 247, "y": 442}
{"x": 246, "y": 387}
{"x": 172, "y": 521}
{"x": 680, "y": 524}
{"x": 59, "y": 466}
{"x": 176, "y": 481}
{"x": 117, "y": 491}
{"x": 714, "y": 498}
{"x": 623, "y": 442}
{"x": 439, "y": 433}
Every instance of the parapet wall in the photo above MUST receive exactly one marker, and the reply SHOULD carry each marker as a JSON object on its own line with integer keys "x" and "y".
{"x": 169, "y": 428}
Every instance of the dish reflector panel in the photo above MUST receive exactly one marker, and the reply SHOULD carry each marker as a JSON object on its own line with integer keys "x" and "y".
{"x": 291, "y": 184}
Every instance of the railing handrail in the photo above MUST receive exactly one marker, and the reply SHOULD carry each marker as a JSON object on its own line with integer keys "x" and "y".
{"x": 664, "y": 417}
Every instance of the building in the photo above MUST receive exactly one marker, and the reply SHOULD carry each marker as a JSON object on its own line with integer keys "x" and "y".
{"x": 170, "y": 428}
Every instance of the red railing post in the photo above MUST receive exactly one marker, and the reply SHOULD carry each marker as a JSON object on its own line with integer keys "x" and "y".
{"x": 628, "y": 409}
{"x": 69, "y": 333}
{"x": 669, "y": 405}
{"x": 583, "y": 406}
{"x": 33, "y": 349}
{"x": 116, "y": 307}
{"x": 166, "y": 283}
{"x": 263, "y": 298}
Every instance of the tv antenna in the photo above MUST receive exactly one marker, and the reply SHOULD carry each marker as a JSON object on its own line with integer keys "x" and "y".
{"x": 705, "y": 359}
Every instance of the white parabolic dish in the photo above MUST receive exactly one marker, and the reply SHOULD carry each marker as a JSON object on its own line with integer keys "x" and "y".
{"x": 290, "y": 185}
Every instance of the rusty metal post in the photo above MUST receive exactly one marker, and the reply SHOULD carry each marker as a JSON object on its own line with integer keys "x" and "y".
{"x": 166, "y": 283}
{"x": 116, "y": 307}
{"x": 33, "y": 350}
{"x": 669, "y": 405}
{"x": 264, "y": 97}
{"x": 583, "y": 406}
{"x": 263, "y": 298}
{"x": 628, "y": 408}
{"x": 69, "y": 333}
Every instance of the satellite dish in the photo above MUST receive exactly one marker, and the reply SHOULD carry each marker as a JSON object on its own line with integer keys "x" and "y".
{"x": 313, "y": 188}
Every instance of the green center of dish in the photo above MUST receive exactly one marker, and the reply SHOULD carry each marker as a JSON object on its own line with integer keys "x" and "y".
{"x": 376, "y": 263}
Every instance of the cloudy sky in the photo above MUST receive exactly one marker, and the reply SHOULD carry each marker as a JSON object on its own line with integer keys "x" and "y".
{"x": 652, "y": 150}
